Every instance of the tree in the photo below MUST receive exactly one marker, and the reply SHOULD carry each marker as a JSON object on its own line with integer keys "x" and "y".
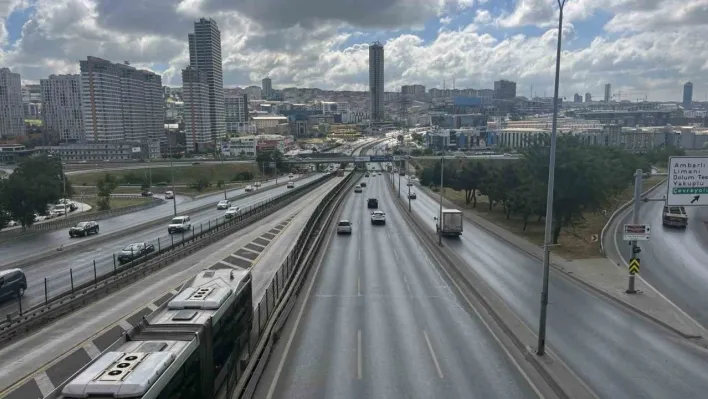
{"x": 265, "y": 158}
{"x": 35, "y": 183}
{"x": 418, "y": 138}
{"x": 105, "y": 187}
{"x": 201, "y": 184}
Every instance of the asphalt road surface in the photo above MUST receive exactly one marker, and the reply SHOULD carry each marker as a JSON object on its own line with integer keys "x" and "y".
{"x": 674, "y": 261}
{"x": 381, "y": 322}
{"x": 616, "y": 352}
{"x": 56, "y": 269}
{"x": 23, "y": 247}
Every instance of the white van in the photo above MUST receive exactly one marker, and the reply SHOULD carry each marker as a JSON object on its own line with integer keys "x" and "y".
{"x": 60, "y": 209}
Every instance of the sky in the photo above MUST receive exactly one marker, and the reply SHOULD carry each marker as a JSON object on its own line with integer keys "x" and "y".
{"x": 643, "y": 48}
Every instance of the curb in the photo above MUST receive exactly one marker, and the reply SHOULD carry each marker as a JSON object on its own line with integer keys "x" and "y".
{"x": 618, "y": 211}
{"x": 578, "y": 280}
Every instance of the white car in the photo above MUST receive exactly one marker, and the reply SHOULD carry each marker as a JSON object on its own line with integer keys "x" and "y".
{"x": 249, "y": 188}
{"x": 344, "y": 227}
{"x": 223, "y": 204}
{"x": 291, "y": 184}
{"x": 232, "y": 212}
{"x": 290, "y": 176}
{"x": 357, "y": 188}
{"x": 179, "y": 224}
{"x": 169, "y": 195}
{"x": 378, "y": 217}
{"x": 257, "y": 184}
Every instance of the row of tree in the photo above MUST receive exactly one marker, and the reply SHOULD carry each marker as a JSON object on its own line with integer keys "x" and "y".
{"x": 587, "y": 178}
{"x": 35, "y": 183}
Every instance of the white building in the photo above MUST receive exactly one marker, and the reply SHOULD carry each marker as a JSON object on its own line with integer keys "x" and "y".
{"x": 236, "y": 107}
{"x": 113, "y": 151}
{"x": 197, "y": 118}
{"x": 119, "y": 102}
{"x": 12, "y": 122}
{"x": 268, "y": 121}
{"x": 243, "y": 146}
{"x": 61, "y": 99}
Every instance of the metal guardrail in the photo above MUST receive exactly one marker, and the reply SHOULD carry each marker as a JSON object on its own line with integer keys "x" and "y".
{"x": 98, "y": 285}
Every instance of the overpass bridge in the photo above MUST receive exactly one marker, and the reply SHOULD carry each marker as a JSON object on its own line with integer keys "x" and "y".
{"x": 392, "y": 158}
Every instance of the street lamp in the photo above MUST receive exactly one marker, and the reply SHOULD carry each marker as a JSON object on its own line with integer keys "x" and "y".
{"x": 172, "y": 171}
{"x": 442, "y": 158}
{"x": 541, "y": 347}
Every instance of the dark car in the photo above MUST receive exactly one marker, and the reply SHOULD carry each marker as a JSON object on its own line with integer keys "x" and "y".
{"x": 82, "y": 229}
{"x": 134, "y": 251}
{"x": 363, "y": 184}
{"x": 13, "y": 283}
{"x": 146, "y": 193}
{"x": 412, "y": 196}
{"x": 366, "y": 175}
{"x": 372, "y": 203}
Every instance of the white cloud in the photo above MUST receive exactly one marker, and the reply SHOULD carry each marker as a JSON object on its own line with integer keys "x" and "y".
{"x": 529, "y": 12}
{"x": 483, "y": 17}
{"x": 445, "y": 20}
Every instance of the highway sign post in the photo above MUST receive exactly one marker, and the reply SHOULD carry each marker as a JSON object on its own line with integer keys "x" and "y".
{"x": 634, "y": 266}
{"x": 637, "y": 232}
{"x": 688, "y": 181}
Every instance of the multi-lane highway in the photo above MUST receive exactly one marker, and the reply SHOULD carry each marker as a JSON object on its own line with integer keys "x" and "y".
{"x": 674, "y": 260}
{"x": 380, "y": 321}
{"x": 616, "y": 352}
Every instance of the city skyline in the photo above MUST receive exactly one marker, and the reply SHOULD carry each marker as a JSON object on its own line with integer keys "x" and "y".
{"x": 474, "y": 43}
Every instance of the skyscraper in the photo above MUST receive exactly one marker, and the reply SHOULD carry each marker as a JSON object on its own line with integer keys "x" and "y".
{"x": 504, "y": 90}
{"x": 687, "y": 95}
{"x": 577, "y": 98}
{"x": 608, "y": 92}
{"x": 197, "y": 116}
{"x": 119, "y": 102}
{"x": 236, "y": 106}
{"x": 61, "y": 107}
{"x": 205, "y": 55}
{"x": 12, "y": 122}
{"x": 376, "y": 81}
{"x": 588, "y": 97}
{"x": 267, "y": 88}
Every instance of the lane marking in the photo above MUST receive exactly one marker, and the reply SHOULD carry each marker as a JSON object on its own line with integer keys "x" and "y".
{"x": 44, "y": 383}
{"x": 432, "y": 354}
{"x": 358, "y": 355}
{"x": 408, "y": 286}
{"x": 92, "y": 350}
{"x": 358, "y": 286}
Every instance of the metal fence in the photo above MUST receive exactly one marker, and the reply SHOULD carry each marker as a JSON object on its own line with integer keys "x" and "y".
{"x": 66, "y": 284}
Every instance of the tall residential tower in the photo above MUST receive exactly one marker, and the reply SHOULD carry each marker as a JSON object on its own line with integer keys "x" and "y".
{"x": 12, "y": 121}
{"x": 205, "y": 55}
{"x": 687, "y": 95}
{"x": 376, "y": 81}
{"x": 61, "y": 107}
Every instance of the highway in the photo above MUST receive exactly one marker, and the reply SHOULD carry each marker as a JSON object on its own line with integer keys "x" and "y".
{"x": 380, "y": 321}
{"x": 616, "y": 352}
{"x": 56, "y": 269}
{"x": 674, "y": 260}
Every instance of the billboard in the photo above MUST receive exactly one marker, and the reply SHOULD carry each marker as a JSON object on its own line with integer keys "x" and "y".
{"x": 136, "y": 149}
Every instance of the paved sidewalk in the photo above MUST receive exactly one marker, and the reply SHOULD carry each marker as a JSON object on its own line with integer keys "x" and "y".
{"x": 603, "y": 277}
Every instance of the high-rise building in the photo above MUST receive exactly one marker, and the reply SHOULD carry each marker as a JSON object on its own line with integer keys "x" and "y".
{"x": 588, "y": 97}
{"x": 504, "y": 90}
{"x": 61, "y": 108}
{"x": 205, "y": 55}
{"x": 12, "y": 122}
{"x": 236, "y": 106}
{"x": 120, "y": 103}
{"x": 687, "y": 95}
{"x": 197, "y": 115}
{"x": 376, "y": 81}
{"x": 31, "y": 101}
{"x": 577, "y": 98}
{"x": 608, "y": 92}
{"x": 267, "y": 88}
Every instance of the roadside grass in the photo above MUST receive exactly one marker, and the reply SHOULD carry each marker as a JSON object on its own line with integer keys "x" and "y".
{"x": 115, "y": 203}
{"x": 575, "y": 242}
{"x": 228, "y": 172}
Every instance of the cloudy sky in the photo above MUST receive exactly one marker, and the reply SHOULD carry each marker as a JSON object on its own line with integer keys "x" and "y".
{"x": 642, "y": 47}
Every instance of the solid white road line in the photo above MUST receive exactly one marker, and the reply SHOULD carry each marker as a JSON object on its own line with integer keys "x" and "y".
{"x": 358, "y": 355}
{"x": 358, "y": 286}
{"x": 432, "y": 354}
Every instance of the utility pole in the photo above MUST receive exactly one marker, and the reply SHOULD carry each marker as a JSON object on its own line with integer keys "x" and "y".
{"x": 548, "y": 234}
{"x": 635, "y": 220}
{"x": 399, "y": 180}
{"x": 442, "y": 168}
{"x": 172, "y": 172}
{"x": 409, "y": 196}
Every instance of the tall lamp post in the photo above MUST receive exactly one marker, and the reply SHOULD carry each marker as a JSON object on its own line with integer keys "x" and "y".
{"x": 442, "y": 159}
{"x": 548, "y": 234}
{"x": 172, "y": 172}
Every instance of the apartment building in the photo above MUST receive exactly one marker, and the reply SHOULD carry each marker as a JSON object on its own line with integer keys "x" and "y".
{"x": 197, "y": 118}
{"x": 61, "y": 103}
{"x": 12, "y": 123}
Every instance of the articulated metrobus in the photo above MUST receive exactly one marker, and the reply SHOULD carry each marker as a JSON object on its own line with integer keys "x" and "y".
{"x": 188, "y": 348}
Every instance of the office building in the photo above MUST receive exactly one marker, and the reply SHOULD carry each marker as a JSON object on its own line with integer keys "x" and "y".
{"x": 267, "y": 88}
{"x": 376, "y": 81}
{"x": 588, "y": 97}
{"x": 687, "y": 95}
{"x": 504, "y": 90}
{"x": 577, "y": 98}
{"x": 236, "y": 107}
{"x": 205, "y": 55}
{"x": 12, "y": 122}
{"x": 61, "y": 104}
{"x": 197, "y": 115}
{"x": 608, "y": 93}
{"x": 120, "y": 103}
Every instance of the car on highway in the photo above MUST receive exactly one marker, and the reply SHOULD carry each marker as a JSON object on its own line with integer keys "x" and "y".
{"x": 232, "y": 212}
{"x": 344, "y": 227}
{"x": 363, "y": 184}
{"x": 223, "y": 204}
{"x": 146, "y": 193}
{"x": 72, "y": 204}
{"x": 357, "y": 189}
{"x": 290, "y": 176}
{"x": 59, "y": 210}
{"x": 409, "y": 183}
{"x": 379, "y": 173}
{"x": 366, "y": 175}
{"x": 378, "y": 217}
{"x": 12, "y": 223}
{"x": 13, "y": 283}
{"x": 372, "y": 203}
{"x": 257, "y": 184}
{"x": 248, "y": 188}
{"x": 134, "y": 251}
{"x": 179, "y": 224}
{"x": 291, "y": 184}
{"x": 412, "y": 196}
{"x": 82, "y": 229}
{"x": 169, "y": 195}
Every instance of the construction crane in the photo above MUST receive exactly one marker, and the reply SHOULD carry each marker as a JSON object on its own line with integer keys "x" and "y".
{"x": 621, "y": 94}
